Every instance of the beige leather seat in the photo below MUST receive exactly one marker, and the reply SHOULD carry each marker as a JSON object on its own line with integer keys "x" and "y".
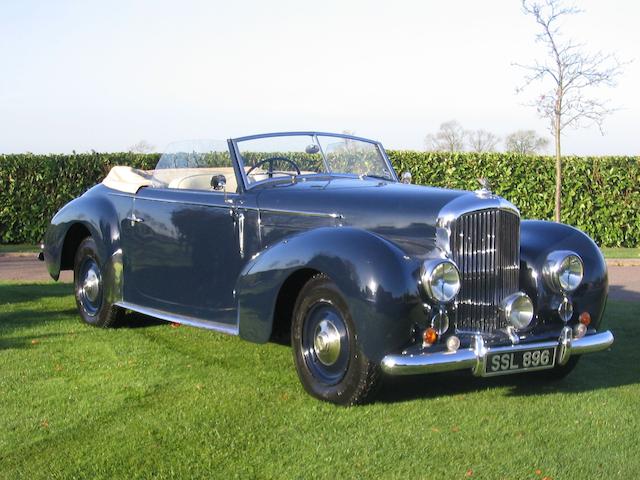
{"x": 200, "y": 178}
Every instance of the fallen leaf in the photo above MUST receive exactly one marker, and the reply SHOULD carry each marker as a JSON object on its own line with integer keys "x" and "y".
{"x": 538, "y": 472}
{"x": 44, "y": 423}
{"x": 469, "y": 473}
{"x": 174, "y": 325}
{"x": 35, "y": 342}
{"x": 58, "y": 368}
{"x": 434, "y": 429}
{"x": 455, "y": 429}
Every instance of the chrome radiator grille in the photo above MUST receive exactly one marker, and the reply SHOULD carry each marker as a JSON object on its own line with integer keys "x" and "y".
{"x": 486, "y": 247}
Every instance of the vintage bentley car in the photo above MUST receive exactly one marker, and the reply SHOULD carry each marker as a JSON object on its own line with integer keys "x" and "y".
{"x": 313, "y": 236}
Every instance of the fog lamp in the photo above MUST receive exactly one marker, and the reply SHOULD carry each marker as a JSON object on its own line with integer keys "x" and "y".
{"x": 517, "y": 309}
{"x": 453, "y": 343}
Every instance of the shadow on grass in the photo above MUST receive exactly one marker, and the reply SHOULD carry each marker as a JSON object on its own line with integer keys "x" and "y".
{"x": 31, "y": 292}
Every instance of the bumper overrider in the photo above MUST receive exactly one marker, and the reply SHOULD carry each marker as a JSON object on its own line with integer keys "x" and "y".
{"x": 475, "y": 358}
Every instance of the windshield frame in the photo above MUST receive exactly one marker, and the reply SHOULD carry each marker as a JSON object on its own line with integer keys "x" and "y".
{"x": 249, "y": 185}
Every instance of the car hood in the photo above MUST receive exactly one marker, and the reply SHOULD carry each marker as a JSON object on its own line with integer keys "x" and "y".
{"x": 403, "y": 214}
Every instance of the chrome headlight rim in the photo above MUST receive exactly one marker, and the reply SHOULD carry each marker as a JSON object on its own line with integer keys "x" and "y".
{"x": 563, "y": 271}
{"x": 517, "y": 309}
{"x": 433, "y": 272}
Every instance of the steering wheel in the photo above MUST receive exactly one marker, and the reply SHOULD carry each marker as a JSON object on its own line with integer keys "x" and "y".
{"x": 271, "y": 161}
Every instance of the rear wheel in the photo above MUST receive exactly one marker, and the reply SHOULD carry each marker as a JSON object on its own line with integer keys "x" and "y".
{"x": 89, "y": 288}
{"x": 329, "y": 361}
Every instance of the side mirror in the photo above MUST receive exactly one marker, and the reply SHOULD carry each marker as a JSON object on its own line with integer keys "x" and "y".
{"x": 218, "y": 182}
{"x": 406, "y": 177}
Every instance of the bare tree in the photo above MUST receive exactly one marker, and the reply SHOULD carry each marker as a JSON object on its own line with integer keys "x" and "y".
{"x": 568, "y": 74}
{"x": 482, "y": 141}
{"x": 525, "y": 142}
{"x": 142, "y": 147}
{"x": 450, "y": 138}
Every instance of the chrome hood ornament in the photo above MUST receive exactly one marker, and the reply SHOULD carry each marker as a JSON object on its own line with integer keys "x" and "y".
{"x": 485, "y": 188}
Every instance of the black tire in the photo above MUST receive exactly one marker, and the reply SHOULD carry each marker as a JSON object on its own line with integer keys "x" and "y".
{"x": 557, "y": 373}
{"x": 335, "y": 371}
{"x": 89, "y": 288}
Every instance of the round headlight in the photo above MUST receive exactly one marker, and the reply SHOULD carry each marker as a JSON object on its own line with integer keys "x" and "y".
{"x": 440, "y": 279}
{"x": 518, "y": 310}
{"x": 563, "y": 271}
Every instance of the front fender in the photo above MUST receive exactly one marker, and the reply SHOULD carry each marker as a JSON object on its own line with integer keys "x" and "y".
{"x": 378, "y": 281}
{"x": 538, "y": 239}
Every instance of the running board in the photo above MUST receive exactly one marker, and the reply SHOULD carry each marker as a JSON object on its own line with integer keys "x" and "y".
{"x": 181, "y": 319}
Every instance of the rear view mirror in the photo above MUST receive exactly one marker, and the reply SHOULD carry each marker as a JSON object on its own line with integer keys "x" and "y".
{"x": 218, "y": 182}
{"x": 311, "y": 149}
{"x": 406, "y": 177}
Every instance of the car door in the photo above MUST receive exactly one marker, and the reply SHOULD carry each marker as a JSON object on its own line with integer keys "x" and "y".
{"x": 184, "y": 246}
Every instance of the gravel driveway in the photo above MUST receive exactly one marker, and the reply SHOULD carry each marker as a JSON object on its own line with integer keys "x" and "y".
{"x": 624, "y": 281}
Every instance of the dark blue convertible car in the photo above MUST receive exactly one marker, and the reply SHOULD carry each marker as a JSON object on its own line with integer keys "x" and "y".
{"x": 312, "y": 236}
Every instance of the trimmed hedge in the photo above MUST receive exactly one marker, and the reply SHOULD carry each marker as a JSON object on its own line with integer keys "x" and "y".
{"x": 601, "y": 195}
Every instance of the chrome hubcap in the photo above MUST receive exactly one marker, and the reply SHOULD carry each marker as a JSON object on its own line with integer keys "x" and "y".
{"x": 89, "y": 286}
{"x": 327, "y": 342}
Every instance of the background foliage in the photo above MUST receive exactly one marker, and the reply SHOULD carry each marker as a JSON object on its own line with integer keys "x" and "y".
{"x": 601, "y": 195}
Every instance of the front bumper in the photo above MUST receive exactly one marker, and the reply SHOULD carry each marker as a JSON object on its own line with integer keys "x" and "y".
{"x": 475, "y": 357}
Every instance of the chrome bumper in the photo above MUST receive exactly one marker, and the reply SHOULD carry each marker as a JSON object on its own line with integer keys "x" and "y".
{"x": 475, "y": 358}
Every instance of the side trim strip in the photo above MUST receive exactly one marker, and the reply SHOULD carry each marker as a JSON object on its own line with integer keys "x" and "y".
{"x": 181, "y": 319}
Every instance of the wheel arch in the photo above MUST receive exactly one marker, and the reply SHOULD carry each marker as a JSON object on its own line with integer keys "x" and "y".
{"x": 378, "y": 282}
{"x": 93, "y": 214}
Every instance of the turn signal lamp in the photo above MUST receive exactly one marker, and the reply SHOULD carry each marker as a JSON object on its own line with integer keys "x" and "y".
{"x": 585, "y": 319}
{"x": 430, "y": 336}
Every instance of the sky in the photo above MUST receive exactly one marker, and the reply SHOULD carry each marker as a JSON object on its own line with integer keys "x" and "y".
{"x": 83, "y": 75}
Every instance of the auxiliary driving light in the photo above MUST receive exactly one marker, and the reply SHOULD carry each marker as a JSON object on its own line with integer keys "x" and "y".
{"x": 580, "y": 330}
{"x": 517, "y": 309}
{"x": 440, "y": 279}
{"x": 453, "y": 343}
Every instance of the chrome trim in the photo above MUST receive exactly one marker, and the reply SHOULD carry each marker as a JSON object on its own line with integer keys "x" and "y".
{"x": 181, "y": 319}
{"x": 249, "y": 185}
{"x": 302, "y": 212}
{"x": 475, "y": 357}
{"x": 241, "y": 234}
{"x": 461, "y": 205}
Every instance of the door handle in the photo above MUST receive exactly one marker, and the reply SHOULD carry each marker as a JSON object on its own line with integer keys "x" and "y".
{"x": 133, "y": 219}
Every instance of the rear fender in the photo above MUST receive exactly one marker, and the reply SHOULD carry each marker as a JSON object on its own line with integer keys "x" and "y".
{"x": 96, "y": 213}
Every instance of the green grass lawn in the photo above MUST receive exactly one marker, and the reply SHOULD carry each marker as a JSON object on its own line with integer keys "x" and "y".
{"x": 620, "y": 252}
{"x": 149, "y": 400}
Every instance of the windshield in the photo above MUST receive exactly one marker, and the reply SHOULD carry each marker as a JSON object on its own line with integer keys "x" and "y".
{"x": 305, "y": 154}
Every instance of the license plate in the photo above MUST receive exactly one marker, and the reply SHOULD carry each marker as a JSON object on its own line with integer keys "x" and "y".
{"x": 502, "y": 363}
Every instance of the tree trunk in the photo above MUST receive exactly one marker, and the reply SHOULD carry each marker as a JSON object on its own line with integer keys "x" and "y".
{"x": 558, "y": 170}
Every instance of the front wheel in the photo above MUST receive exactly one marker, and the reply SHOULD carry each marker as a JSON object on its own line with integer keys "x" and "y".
{"x": 559, "y": 372}
{"x": 89, "y": 287}
{"x": 327, "y": 356}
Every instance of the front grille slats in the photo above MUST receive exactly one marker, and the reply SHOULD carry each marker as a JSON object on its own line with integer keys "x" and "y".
{"x": 486, "y": 247}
